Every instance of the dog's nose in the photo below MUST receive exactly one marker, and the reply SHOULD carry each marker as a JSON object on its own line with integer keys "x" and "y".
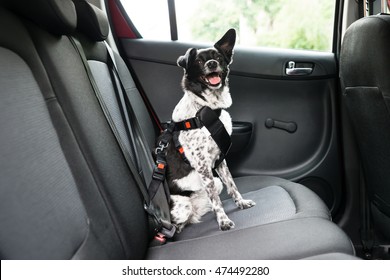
{"x": 212, "y": 64}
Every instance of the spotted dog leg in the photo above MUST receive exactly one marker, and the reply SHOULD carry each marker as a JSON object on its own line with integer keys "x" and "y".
{"x": 227, "y": 179}
{"x": 218, "y": 185}
{"x": 213, "y": 192}
{"x": 181, "y": 209}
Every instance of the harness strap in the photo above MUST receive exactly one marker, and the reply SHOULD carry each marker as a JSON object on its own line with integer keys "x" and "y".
{"x": 217, "y": 130}
{"x": 194, "y": 122}
{"x": 187, "y": 124}
{"x": 178, "y": 146}
{"x": 158, "y": 176}
{"x": 210, "y": 119}
{"x": 204, "y": 117}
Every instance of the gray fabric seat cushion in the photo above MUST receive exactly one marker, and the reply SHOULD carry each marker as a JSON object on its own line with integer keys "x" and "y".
{"x": 332, "y": 256}
{"x": 291, "y": 239}
{"x": 307, "y": 203}
{"x": 289, "y": 221}
{"x": 276, "y": 200}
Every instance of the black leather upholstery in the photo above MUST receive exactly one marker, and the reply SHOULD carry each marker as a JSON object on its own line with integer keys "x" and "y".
{"x": 364, "y": 73}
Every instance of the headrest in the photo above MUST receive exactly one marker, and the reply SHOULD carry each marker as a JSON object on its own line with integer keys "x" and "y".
{"x": 56, "y": 16}
{"x": 364, "y": 56}
{"x": 91, "y": 21}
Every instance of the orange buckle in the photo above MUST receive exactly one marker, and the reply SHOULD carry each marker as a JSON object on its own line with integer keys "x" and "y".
{"x": 161, "y": 166}
{"x": 181, "y": 150}
{"x": 187, "y": 125}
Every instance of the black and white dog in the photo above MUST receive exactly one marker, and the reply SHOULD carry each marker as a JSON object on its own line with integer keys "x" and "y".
{"x": 194, "y": 189}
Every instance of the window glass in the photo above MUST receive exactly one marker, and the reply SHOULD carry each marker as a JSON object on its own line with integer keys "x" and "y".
{"x": 297, "y": 24}
{"x": 150, "y": 17}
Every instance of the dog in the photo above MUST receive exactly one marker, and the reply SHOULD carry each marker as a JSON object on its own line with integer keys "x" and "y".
{"x": 194, "y": 189}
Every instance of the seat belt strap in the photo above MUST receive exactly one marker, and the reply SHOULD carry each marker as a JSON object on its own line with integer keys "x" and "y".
{"x": 366, "y": 231}
{"x": 129, "y": 128}
{"x": 158, "y": 197}
{"x": 156, "y": 222}
{"x": 108, "y": 116}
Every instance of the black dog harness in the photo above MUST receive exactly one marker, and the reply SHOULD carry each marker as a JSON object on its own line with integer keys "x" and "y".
{"x": 210, "y": 119}
{"x": 205, "y": 117}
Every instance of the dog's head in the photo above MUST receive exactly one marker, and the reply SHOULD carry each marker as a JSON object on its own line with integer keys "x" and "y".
{"x": 206, "y": 70}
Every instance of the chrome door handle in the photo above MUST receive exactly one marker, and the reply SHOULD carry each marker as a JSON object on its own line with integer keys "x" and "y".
{"x": 292, "y": 71}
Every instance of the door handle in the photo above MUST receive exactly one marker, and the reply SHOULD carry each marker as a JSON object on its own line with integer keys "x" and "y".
{"x": 290, "y": 127}
{"x": 292, "y": 70}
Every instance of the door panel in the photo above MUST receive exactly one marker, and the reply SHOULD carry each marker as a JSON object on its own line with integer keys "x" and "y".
{"x": 261, "y": 90}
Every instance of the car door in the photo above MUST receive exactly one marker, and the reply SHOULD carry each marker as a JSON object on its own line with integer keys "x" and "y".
{"x": 285, "y": 101}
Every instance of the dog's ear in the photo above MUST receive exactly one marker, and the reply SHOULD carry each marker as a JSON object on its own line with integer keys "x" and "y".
{"x": 186, "y": 60}
{"x": 226, "y": 44}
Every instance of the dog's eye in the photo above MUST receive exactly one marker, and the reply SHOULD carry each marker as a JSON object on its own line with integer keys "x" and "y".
{"x": 199, "y": 61}
{"x": 219, "y": 58}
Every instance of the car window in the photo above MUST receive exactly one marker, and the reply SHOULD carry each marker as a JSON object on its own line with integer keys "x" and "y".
{"x": 296, "y": 24}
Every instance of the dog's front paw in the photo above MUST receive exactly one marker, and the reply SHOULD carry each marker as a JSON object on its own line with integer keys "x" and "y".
{"x": 245, "y": 203}
{"x": 226, "y": 224}
{"x": 179, "y": 227}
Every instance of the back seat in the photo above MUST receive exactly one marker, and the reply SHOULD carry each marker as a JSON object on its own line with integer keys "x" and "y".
{"x": 66, "y": 191}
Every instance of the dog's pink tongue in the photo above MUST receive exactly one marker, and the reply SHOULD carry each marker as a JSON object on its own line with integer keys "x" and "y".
{"x": 214, "y": 80}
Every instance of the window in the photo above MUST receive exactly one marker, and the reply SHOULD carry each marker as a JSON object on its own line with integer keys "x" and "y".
{"x": 297, "y": 24}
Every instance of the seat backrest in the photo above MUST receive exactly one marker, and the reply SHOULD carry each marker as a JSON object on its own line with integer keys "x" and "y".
{"x": 65, "y": 189}
{"x": 92, "y": 30}
{"x": 365, "y": 80}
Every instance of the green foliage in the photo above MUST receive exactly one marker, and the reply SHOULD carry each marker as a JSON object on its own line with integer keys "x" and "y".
{"x": 212, "y": 17}
{"x": 298, "y": 24}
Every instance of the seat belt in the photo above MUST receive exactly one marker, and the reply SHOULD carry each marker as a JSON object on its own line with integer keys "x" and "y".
{"x": 159, "y": 217}
{"x": 366, "y": 231}
{"x": 159, "y": 195}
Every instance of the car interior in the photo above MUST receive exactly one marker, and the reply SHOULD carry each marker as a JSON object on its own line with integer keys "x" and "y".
{"x": 84, "y": 97}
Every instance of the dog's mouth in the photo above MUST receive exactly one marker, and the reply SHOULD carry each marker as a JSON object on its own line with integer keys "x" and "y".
{"x": 213, "y": 79}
